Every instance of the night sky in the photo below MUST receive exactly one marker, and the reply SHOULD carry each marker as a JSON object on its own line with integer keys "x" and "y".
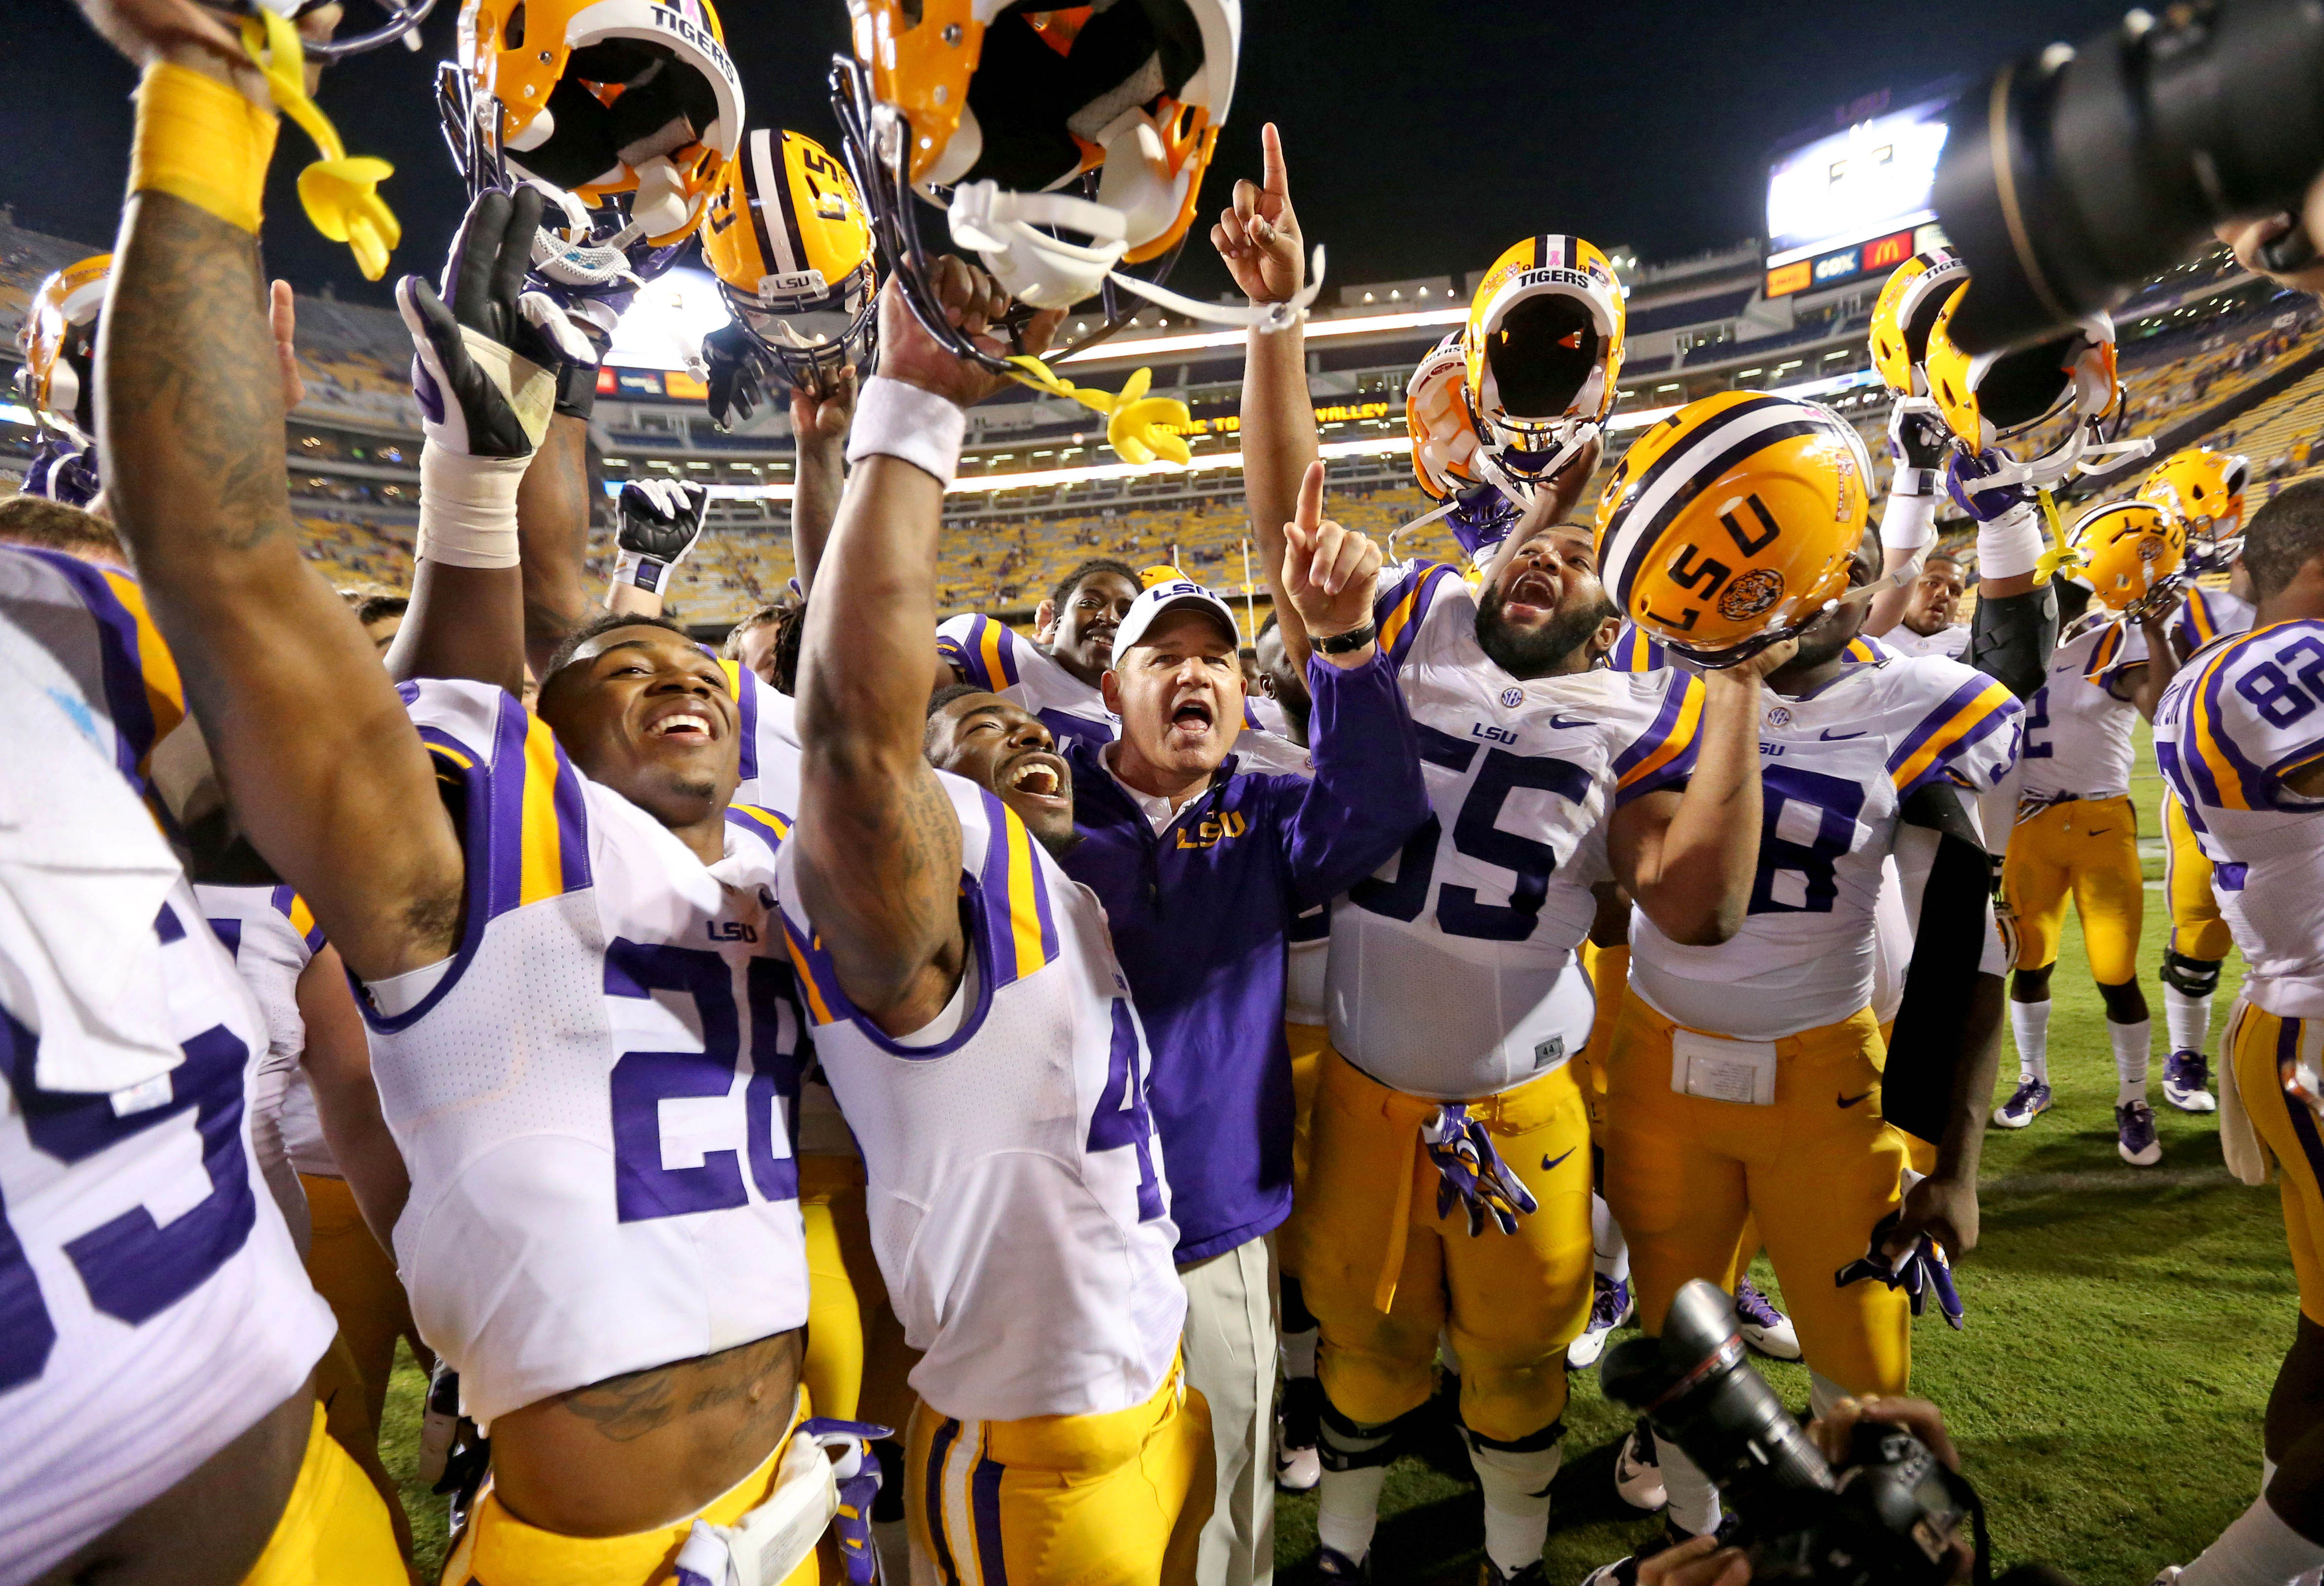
{"x": 1422, "y": 137}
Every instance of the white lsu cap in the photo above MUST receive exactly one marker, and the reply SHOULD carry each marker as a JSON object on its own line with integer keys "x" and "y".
{"x": 1167, "y": 597}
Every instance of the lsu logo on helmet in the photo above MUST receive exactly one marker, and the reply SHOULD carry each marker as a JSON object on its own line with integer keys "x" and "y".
{"x": 1732, "y": 523}
{"x": 789, "y": 242}
{"x": 2131, "y": 553}
{"x": 1540, "y": 357}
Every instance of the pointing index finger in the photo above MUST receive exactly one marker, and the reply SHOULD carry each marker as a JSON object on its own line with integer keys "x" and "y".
{"x": 1277, "y": 179}
{"x": 1310, "y": 511}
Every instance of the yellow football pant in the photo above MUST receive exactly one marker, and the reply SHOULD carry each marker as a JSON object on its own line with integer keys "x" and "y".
{"x": 1117, "y": 1499}
{"x": 1817, "y": 1168}
{"x": 497, "y": 1549}
{"x": 2258, "y": 1043}
{"x": 2197, "y": 931}
{"x": 358, "y": 1280}
{"x": 1384, "y": 1274}
{"x": 334, "y": 1529}
{"x": 1307, "y": 1043}
{"x": 856, "y": 1357}
{"x": 2087, "y": 848}
{"x": 1609, "y": 978}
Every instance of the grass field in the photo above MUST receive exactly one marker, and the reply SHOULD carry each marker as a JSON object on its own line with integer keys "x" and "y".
{"x": 2123, "y": 1326}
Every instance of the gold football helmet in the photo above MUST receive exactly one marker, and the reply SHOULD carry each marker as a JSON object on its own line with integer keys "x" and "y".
{"x": 1906, "y": 310}
{"x": 2131, "y": 553}
{"x": 1540, "y": 355}
{"x": 1730, "y": 524}
{"x": 59, "y": 341}
{"x": 788, "y": 238}
{"x": 2203, "y": 489}
{"x": 1996, "y": 398}
{"x": 598, "y": 97}
{"x": 1436, "y": 415}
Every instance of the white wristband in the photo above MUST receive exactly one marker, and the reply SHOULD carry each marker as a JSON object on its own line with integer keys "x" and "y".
{"x": 2010, "y": 546}
{"x": 467, "y": 508}
{"x": 640, "y": 570}
{"x": 1911, "y": 521}
{"x": 894, "y": 420}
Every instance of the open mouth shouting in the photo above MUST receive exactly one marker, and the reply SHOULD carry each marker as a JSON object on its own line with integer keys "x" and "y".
{"x": 1039, "y": 779}
{"x": 1532, "y": 594}
{"x": 1191, "y": 718}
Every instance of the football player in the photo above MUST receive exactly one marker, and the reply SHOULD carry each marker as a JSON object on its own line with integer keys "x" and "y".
{"x": 1927, "y": 626}
{"x": 2076, "y": 834}
{"x": 2203, "y": 491}
{"x": 2237, "y": 734}
{"x": 1054, "y": 676}
{"x": 979, "y": 1035}
{"x": 1725, "y": 1058}
{"x": 546, "y": 953}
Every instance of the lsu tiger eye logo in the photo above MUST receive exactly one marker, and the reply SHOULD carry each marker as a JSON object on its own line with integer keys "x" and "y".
{"x": 1753, "y": 593}
{"x": 2150, "y": 551}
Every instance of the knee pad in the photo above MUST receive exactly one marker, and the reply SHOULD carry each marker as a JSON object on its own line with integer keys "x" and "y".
{"x": 1533, "y": 1444}
{"x": 2191, "y": 977}
{"x": 1342, "y": 1444}
{"x": 1530, "y": 1463}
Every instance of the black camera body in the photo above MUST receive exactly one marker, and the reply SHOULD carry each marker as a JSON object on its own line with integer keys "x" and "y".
{"x": 2070, "y": 176}
{"x": 1890, "y": 1517}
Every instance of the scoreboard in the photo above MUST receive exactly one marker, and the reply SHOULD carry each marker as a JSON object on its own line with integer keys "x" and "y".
{"x": 1855, "y": 202}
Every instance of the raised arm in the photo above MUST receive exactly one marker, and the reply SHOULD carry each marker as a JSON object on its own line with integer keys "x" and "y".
{"x": 1917, "y": 441}
{"x": 1688, "y": 857}
{"x": 1257, "y": 237}
{"x": 877, "y": 839}
{"x": 485, "y": 407}
{"x": 552, "y": 522}
{"x": 2144, "y": 686}
{"x": 657, "y": 523}
{"x": 315, "y": 753}
{"x": 819, "y": 424}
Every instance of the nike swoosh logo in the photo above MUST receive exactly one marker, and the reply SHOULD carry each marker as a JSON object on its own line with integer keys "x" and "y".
{"x": 1853, "y": 1101}
{"x": 2098, "y": 831}
{"x": 1546, "y": 1164}
{"x": 1832, "y": 737}
{"x": 1558, "y": 721}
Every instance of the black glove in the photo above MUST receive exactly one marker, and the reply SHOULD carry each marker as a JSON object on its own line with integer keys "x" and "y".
{"x": 483, "y": 374}
{"x": 661, "y": 521}
{"x": 1917, "y": 436}
{"x": 738, "y": 374}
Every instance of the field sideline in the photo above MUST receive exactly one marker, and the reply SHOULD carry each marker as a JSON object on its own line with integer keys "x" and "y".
{"x": 2123, "y": 1326}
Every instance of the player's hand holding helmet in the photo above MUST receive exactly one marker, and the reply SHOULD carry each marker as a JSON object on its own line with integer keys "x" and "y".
{"x": 2203, "y": 491}
{"x": 1730, "y": 526}
{"x": 1905, "y": 312}
{"x": 1995, "y": 401}
{"x": 973, "y": 308}
{"x": 1540, "y": 357}
{"x": 2132, "y": 556}
{"x": 791, "y": 247}
{"x": 661, "y": 521}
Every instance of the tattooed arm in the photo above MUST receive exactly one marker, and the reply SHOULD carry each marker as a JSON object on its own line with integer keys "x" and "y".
{"x": 313, "y": 746}
{"x": 876, "y": 838}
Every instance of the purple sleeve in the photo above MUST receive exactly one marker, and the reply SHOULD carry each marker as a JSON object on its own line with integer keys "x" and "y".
{"x": 1367, "y": 796}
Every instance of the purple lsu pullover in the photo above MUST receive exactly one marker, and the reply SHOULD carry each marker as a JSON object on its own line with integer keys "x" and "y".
{"x": 1201, "y": 917}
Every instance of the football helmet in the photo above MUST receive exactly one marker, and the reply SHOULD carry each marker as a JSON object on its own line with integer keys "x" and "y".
{"x": 59, "y": 341}
{"x": 1907, "y": 308}
{"x": 2203, "y": 489}
{"x": 1540, "y": 354}
{"x": 2131, "y": 552}
{"x": 1062, "y": 143}
{"x": 788, "y": 238}
{"x": 1436, "y": 415}
{"x": 599, "y": 97}
{"x": 1730, "y": 524}
{"x": 1993, "y": 398}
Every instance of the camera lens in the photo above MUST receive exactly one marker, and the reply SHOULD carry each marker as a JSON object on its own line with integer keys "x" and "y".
{"x": 2073, "y": 175}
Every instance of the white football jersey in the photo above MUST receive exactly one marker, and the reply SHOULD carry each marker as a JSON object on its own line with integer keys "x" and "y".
{"x": 770, "y": 746}
{"x": 1453, "y": 973}
{"x": 1835, "y": 769}
{"x": 2076, "y": 732}
{"x": 151, "y": 1306}
{"x": 596, "y": 1094}
{"x": 1017, "y": 1202}
{"x": 272, "y": 937}
{"x": 2209, "y": 614}
{"x": 1946, "y": 643}
{"x": 2243, "y": 715}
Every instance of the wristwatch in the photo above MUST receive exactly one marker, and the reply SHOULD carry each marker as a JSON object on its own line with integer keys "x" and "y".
{"x": 1347, "y": 643}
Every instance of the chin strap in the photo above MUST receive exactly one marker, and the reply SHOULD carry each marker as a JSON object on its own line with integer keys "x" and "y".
{"x": 340, "y": 194}
{"x": 2078, "y": 455}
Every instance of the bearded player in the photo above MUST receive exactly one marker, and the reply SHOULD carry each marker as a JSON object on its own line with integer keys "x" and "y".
{"x": 1725, "y": 1060}
{"x": 496, "y": 900}
{"x": 2239, "y": 735}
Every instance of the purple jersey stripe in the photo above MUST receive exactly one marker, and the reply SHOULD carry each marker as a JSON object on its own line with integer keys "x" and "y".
{"x": 504, "y": 795}
{"x": 2303, "y": 1122}
{"x": 992, "y": 881}
{"x": 572, "y": 825}
{"x": 1978, "y": 733}
{"x": 1936, "y": 720}
{"x": 1653, "y": 738}
{"x": 746, "y": 711}
{"x": 2256, "y": 791}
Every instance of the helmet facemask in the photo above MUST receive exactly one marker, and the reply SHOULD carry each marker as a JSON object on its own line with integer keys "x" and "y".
{"x": 1545, "y": 363}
